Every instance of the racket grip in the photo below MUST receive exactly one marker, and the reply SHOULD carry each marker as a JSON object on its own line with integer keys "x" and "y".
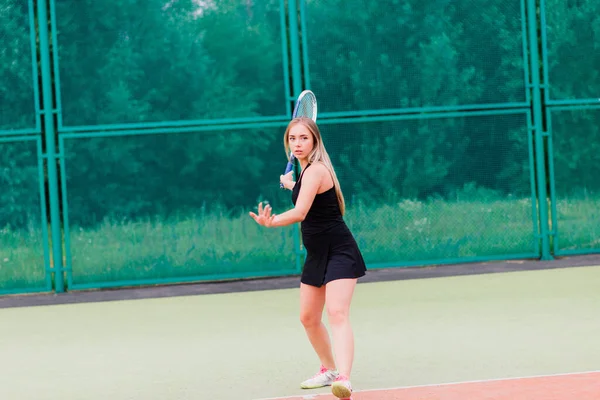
{"x": 288, "y": 168}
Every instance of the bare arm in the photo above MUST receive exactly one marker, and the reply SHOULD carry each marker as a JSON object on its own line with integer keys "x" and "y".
{"x": 311, "y": 181}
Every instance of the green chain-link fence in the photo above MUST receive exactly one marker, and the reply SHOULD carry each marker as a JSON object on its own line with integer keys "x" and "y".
{"x": 136, "y": 135}
{"x": 570, "y": 33}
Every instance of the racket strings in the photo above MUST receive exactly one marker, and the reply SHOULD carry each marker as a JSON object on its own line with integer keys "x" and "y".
{"x": 306, "y": 108}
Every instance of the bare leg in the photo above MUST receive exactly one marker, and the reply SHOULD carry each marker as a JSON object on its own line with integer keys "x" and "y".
{"x": 312, "y": 301}
{"x": 338, "y": 298}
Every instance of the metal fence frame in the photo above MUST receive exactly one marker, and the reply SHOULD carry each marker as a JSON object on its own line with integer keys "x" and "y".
{"x": 553, "y": 105}
{"x": 48, "y": 265}
{"x": 72, "y": 282}
{"x": 555, "y": 232}
{"x": 51, "y": 135}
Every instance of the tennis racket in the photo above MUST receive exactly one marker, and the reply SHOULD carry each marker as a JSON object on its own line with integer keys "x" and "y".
{"x": 306, "y": 106}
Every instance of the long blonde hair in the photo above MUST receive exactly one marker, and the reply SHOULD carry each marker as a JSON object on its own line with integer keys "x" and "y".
{"x": 318, "y": 153}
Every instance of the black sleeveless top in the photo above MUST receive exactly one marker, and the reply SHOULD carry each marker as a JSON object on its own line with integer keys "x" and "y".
{"x": 324, "y": 212}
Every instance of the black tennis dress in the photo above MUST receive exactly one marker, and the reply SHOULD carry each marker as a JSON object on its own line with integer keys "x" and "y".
{"x": 332, "y": 252}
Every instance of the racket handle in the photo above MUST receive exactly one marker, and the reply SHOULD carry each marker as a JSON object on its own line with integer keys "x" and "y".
{"x": 288, "y": 168}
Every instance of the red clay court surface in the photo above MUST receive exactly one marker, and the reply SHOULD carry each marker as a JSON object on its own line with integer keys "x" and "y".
{"x": 579, "y": 386}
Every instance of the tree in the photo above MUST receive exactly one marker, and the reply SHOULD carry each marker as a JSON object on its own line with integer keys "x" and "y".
{"x": 19, "y": 197}
{"x": 573, "y": 29}
{"x": 153, "y": 62}
{"x": 17, "y": 104}
{"x": 396, "y": 54}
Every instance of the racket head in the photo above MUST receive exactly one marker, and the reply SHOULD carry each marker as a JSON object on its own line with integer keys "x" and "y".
{"x": 306, "y": 106}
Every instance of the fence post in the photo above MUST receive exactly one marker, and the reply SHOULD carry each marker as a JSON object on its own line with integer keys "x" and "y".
{"x": 50, "y": 135}
{"x": 304, "y": 44}
{"x": 295, "y": 48}
{"x": 296, "y": 89}
{"x": 538, "y": 126}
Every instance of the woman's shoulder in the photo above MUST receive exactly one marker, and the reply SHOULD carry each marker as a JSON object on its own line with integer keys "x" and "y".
{"x": 317, "y": 168}
{"x": 320, "y": 174}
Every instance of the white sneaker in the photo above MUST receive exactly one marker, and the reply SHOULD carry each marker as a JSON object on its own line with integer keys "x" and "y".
{"x": 325, "y": 377}
{"x": 341, "y": 388}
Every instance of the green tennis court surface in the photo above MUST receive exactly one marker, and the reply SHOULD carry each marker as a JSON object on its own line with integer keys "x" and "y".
{"x": 251, "y": 345}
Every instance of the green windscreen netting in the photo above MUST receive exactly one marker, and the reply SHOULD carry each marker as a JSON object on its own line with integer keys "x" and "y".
{"x": 156, "y": 60}
{"x": 576, "y": 158}
{"x": 373, "y": 54}
{"x": 573, "y": 30}
{"x": 175, "y": 205}
{"x": 436, "y": 188}
{"x": 169, "y": 204}
{"x": 21, "y": 235}
{"x": 17, "y": 98}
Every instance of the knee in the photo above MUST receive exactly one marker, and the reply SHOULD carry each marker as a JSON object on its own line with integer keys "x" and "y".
{"x": 310, "y": 319}
{"x": 337, "y": 315}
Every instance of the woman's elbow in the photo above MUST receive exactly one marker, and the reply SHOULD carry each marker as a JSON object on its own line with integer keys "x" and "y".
{"x": 301, "y": 216}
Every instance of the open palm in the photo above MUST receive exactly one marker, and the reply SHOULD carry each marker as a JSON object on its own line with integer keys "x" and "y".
{"x": 264, "y": 216}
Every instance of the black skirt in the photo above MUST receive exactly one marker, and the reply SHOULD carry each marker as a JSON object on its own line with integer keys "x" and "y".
{"x": 332, "y": 254}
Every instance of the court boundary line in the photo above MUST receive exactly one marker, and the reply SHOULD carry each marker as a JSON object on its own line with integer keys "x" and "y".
{"x": 311, "y": 396}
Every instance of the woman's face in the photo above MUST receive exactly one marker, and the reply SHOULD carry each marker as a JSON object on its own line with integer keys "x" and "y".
{"x": 301, "y": 141}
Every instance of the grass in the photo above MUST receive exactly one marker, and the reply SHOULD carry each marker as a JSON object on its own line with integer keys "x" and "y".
{"x": 213, "y": 244}
{"x": 578, "y": 227}
{"x": 21, "y": 259}
{"x": 412, "y": 231}
{"x": 195, "y": 246}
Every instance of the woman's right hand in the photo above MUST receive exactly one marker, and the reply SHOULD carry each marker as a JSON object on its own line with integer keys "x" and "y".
{"x": 287, "y": 181}
{"x": 264, "y": 216}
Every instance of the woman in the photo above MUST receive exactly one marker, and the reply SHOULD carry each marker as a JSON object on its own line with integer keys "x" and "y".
{"x": 333, "y": 263}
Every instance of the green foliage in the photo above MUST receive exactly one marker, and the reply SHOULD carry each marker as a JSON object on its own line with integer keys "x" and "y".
{"x": 576, "y": 152}
{"x": 21, "y": 259}
{"x": 416, "y": 53}
{"x": 17, "y": 105}
{"x": 19, "y": 180}
{"x": 151, "y": 60}
{"x": 217, "y": 242}
{"x": 411, "y": 54}
{"x": 156, "y": 61}
{"x": 171, "y": 174}
{"x": 134, "y": 61}
{"x": 573, "y": 56}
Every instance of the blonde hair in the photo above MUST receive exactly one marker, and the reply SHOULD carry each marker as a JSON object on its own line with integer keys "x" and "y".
{"x": 318, "y": 153}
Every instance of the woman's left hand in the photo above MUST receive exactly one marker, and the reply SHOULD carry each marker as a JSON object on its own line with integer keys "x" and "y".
{"x": 264, "y": 216}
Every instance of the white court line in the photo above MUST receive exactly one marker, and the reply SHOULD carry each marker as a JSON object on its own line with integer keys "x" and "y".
{"x": 314, "y": 396}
